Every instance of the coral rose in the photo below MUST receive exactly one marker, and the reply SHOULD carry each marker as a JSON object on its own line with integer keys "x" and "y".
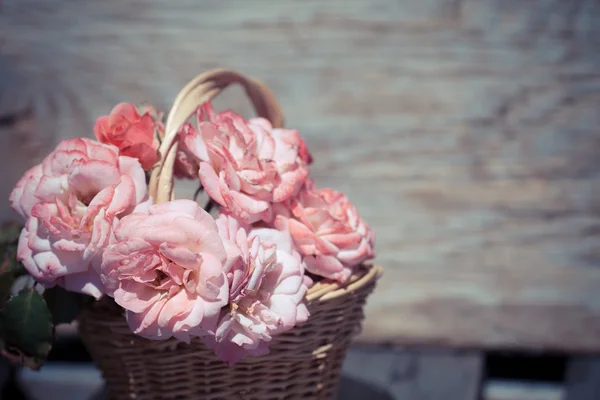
{"x": 266, "y": 293}
{"x": 164, "y": 266}
{"x": 327, "y": 231}
{"x": 133, "y": 131}
{"x": 245, "y": 166}
{"x": 71, "y": 202}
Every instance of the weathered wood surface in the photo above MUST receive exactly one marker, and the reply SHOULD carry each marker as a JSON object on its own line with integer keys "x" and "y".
{"x": 466, "y": 131}
{"x": 505, "y": 306}
{"x": 22, "y": 142}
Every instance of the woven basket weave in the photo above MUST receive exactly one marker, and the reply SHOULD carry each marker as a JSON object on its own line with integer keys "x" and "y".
{"x": 303, "y": 363}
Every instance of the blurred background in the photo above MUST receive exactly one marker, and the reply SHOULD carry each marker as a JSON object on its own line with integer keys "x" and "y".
{"x": 467, "y": 133}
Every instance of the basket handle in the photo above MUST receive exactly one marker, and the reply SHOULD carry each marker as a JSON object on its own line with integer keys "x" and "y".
{"x": 203, "y": 88}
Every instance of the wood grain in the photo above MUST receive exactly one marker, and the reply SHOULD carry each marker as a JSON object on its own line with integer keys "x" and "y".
{"x": 505, "y": 307}
{"x": 22, "y": 141}
{"x": 466, "y": 132}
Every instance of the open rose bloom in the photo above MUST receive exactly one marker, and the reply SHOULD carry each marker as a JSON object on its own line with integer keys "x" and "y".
{"x": 245, "y": 166}
{"x": 328, "y": 232}
{"x": 267, "y": 287}
{"x": 71, "y": 202}
{"x": 165, "y": 267}
{"x": 234, "y": 282}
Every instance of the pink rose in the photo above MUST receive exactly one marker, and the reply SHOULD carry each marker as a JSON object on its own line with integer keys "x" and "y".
{"x": 71, "y": 202}
{"x": 164, "y": 266}
{"x": 245, "y": 166}
{"x": 327, "y": 231}
{"x": 133, "y": 131}
{"x": 266, "y": 293}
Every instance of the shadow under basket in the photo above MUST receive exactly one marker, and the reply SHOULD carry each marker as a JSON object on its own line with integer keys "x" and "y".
{"x": 303, "y": 363}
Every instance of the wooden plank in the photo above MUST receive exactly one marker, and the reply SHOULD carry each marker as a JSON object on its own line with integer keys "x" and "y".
{"x": 512, "y": 390}
{"x": 583, "y": 379}
{"x": 509, "y": 307}
{"x": 416, "y": 375}
{"x": 465, "y": 131}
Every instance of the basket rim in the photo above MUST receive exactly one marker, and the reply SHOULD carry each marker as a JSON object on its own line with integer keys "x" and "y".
{"x": 328, "y": 290}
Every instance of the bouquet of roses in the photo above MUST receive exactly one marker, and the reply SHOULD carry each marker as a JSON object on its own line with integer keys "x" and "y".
{"x": 234, "y": 281}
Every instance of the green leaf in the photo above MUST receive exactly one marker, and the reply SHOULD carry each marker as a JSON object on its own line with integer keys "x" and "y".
{"x": 64, "y": 306}
{"x": 27, "y": 324}
{"x": 14, "y": 356}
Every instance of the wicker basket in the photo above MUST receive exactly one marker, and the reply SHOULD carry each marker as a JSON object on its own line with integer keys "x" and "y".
{"x": 304, "y": 363}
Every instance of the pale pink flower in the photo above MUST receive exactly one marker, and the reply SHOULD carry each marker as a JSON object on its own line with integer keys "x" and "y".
{"x": 71, "y": 202}
{"x": 266, "y": 292}
{"x": 327, "y": 231}
{"x": 245, "y": 166}
{"x": 165, "y": 267}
